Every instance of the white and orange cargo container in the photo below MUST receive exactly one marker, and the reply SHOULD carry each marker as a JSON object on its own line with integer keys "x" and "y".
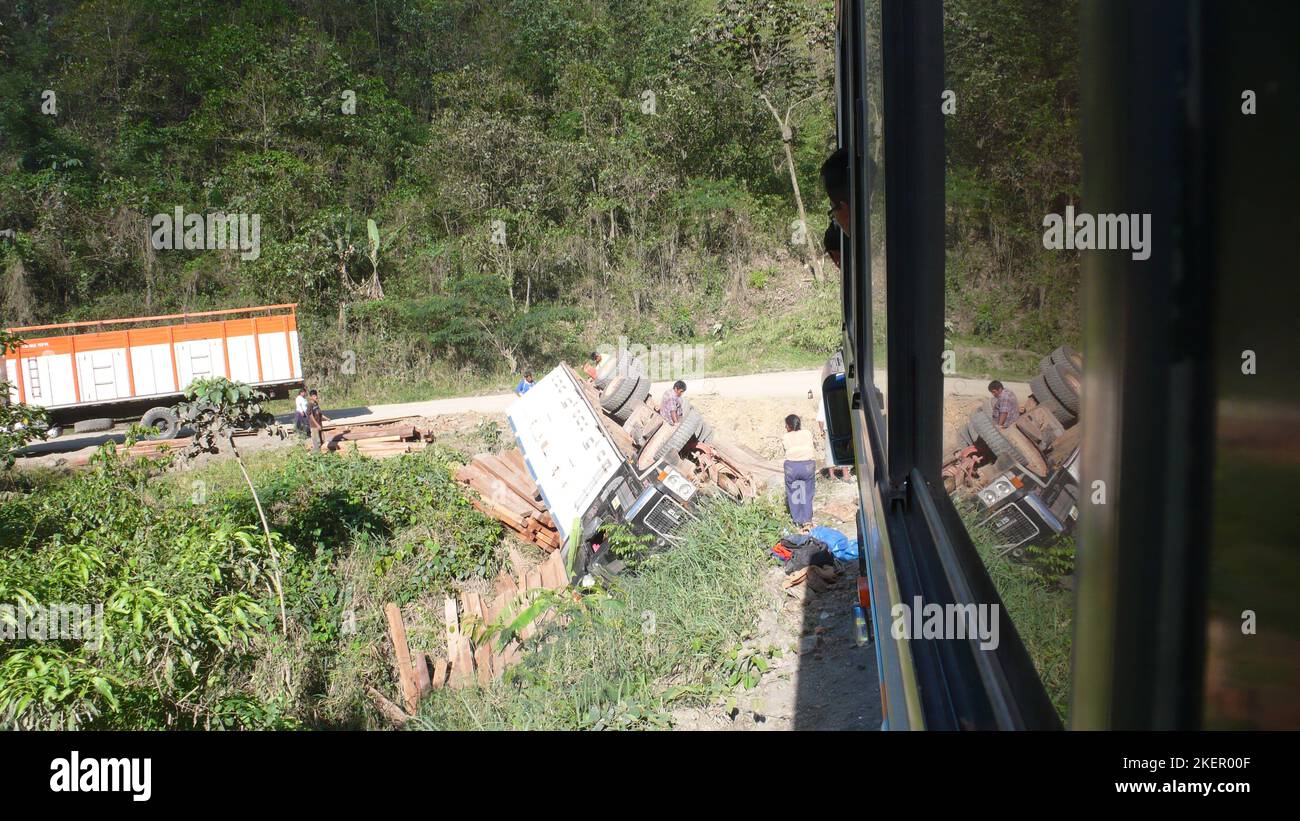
{"x": 93, "y": 374}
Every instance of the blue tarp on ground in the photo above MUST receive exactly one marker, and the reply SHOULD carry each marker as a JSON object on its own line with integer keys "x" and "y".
{"x": 842, "y": 547}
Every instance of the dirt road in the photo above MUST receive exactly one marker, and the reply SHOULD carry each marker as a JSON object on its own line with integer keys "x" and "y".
{"x": 769, "y": 392}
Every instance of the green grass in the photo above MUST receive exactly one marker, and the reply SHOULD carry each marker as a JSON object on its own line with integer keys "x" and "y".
{"x": 1043, "y": 614}
{"x": 666, "y": 636}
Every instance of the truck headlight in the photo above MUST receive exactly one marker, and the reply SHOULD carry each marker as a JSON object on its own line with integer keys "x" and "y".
{"x": 997, "y": 490}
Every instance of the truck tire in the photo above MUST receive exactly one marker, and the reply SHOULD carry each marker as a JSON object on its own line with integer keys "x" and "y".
{"x": 605, "y": 372}
{"x": 669, "y": 440}
{"x": 615, "y": 394}
{"x": 1009, "y": 442}
{"x": 93, "y": 425}
{"x": 635, "y": 397}
{"x": 652, "y": 445}
{"x": 162, "y": 421}
{"x": 705, "y": 434}
{"x": 1045, "y": 398}
{"x": 965, "y": 437}
{"x": 1065, "y": 355}
{"x": 1063, "y": 386}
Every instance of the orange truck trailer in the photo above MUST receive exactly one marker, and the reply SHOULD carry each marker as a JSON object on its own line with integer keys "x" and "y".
{"x": 93, "y": 374}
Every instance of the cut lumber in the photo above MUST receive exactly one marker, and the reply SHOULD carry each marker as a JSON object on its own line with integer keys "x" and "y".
{"x": 483, "y": 664}
{"x": 405, "y": 670}
{"x": 522, "y": 486}
{"x": 439, "y": 674}
{"x": 460, "y": 671}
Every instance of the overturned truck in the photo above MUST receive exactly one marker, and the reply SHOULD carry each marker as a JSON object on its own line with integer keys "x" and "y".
{"x": 1025, "y": 477}
{"x": 600, "y": 454}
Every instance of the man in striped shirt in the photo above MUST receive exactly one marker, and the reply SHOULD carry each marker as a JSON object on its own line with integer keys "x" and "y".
{"x": 1006, "y": 408}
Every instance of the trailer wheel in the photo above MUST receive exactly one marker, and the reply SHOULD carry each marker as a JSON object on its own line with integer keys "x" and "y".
{"x": 1009, "y": 442}
{"x": 1045, "y": 398}
{"x": 605, "y": 372}
{"x": 162, "y": 421}
{"x": 93, "y": 425}
{"x": 616, "y": 392}
{"x": 1063, "y": 386}
{"x": 669, "y": 440}
{"x": 705, "y": 435}
{"x": 1065, "y": 355}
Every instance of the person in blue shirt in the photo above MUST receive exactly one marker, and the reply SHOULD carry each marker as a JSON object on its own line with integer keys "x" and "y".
{"x": 525, "y": 383}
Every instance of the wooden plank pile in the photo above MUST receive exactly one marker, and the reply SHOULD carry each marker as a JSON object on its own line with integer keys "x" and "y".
{"x": 507, "y": 493}
{"x": 378, "y": 439}
{"x": 472, "y": 653}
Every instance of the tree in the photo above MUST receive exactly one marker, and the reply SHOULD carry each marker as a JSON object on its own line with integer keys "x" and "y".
{"x": 215, "y": 409}
{"x": 20, "y": 424}
{"x": 774, "y": 45}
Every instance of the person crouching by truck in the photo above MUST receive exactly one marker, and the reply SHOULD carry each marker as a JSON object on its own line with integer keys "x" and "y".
{"x": 1006, "y": 407}
{"x": 800, "y": 470}
{"x": 670, "y": 407}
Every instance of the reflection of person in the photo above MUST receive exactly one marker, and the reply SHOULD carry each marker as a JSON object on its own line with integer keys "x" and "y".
{"x": 525, "y": 383}
{"x": 832, "y": 470}
{"x": 316, "y": 421}
{"x": 800, "y": 470}
{"x": 835, "y": 178}
{"x": 670, "y": 407}
{"x": 831, "y": 242}
{"x": 1006, "y": 408}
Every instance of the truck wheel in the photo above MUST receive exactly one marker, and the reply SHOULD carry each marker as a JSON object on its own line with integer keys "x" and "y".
{"x": 683, "y": 432}
{"x": 1065, "y": 355}
{"x": 163, "y": 423}
{"x": 1063, "y": 387}
{"x": 669, "y": 440}
{"x": 1045, "y": 398}
{"x": 616, "y": 392}
{"x": 635, "y": 398}
{"x": 1010, "y": 443}
{"x": 653, "y": 446}
{"x": 705, "y": 435}
{"x": 93, "y": 425}
{"x": 605, "y": 372}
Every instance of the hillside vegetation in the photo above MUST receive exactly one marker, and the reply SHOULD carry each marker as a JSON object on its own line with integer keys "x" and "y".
{"x": 542, "y": 176}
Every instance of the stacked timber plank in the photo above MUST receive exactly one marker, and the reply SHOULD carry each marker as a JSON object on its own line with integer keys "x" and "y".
{"x": 476, "y": 652}
{"x": 379, "y": 439}
{"x": 507, "y": 493}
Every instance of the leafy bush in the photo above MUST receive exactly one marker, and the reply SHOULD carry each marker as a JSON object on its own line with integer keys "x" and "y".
{"x": 190, "y": 636}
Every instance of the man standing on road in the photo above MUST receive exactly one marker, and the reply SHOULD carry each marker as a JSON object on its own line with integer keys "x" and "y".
{"x": 300, "y": 413}
{"x": 316, "y": 421}
{"x": 524, "y": 384}
{"x": 670, "y": 407}
{"x": 1006, "y": 408}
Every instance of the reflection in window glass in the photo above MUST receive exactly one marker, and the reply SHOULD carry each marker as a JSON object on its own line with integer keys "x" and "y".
{"x": 1012, "y": 362}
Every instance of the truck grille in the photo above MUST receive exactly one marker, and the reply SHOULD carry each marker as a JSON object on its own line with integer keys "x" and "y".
{"x": 1011, "y": 525}
{"x": 665, "y": 517}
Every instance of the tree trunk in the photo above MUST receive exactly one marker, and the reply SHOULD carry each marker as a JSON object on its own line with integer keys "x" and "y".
{"x": 814, "y": 258}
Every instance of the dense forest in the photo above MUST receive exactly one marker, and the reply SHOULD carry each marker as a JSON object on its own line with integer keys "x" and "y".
{"x": 454, "y": 189}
